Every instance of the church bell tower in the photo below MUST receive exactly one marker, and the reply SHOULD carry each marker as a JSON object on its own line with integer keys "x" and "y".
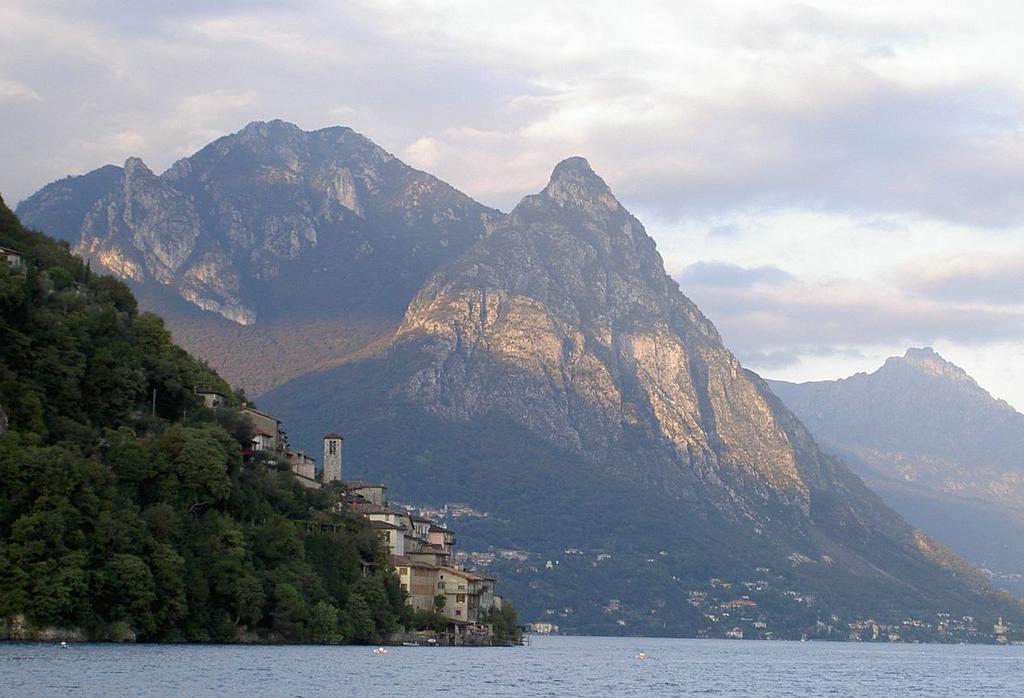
{"x": 332, "y": 457}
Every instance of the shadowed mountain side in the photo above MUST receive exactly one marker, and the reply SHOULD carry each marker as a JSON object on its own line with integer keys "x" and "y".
{"x": 545, "y": 499}
{"x": 260, "y": 357}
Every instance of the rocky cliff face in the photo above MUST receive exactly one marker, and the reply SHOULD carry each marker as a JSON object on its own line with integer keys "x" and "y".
{"x": 271, "y": 227}
{"x": 568, "y": 301}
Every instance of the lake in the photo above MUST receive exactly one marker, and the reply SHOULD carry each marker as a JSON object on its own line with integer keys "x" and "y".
{"x": 578, "y": 666}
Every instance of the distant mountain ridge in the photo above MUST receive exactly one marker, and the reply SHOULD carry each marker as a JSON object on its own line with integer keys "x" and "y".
{"x": 920, "y": 419}
{"x": 935, "y": 444}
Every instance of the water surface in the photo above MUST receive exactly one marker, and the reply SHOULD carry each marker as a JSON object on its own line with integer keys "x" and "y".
{"x": 552, "y": 666}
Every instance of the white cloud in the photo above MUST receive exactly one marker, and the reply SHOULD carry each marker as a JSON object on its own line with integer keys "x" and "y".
{"x": 10, "y": 89}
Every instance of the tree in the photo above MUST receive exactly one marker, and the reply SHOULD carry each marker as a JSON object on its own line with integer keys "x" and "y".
{"x": 324, "y": 623}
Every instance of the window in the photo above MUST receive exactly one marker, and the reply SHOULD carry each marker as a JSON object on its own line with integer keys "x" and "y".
{"x": 460, "y": 598}
{"x": 458, "y": 611}
{"x": 332, "y": 447}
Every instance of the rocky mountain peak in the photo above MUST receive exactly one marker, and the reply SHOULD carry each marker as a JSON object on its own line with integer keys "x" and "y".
{"x": 268, "y": 129}
{"x": 135, "y": 166}
{"x": 928, "y": 361}
{"x": 574, "y": 183}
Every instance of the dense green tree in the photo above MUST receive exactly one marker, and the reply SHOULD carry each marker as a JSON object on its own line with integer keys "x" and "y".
{"x": 125, "y": 507}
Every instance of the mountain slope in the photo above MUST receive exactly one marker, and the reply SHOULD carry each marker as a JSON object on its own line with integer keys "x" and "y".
{"x": 934, "y": 444}
{"x": 272, "y": 228}
{"x": 556, "y": 377}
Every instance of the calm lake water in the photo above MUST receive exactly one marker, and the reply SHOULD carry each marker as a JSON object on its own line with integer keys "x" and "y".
{"x": 578, "y": 666}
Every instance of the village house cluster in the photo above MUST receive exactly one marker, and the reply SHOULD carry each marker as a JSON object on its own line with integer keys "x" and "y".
{"x": 421, "y": 551}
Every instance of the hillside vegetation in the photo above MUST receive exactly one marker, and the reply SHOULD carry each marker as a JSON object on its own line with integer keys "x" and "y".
{"x": 125, "y": 509}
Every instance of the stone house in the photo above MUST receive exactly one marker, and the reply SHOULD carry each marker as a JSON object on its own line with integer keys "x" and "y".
{"x": 12, "y": 257}
{"x": 419, "y": 580}
{"x": 438, "y": 535}
{"x": 304, "y": 468}
{"x": 370, "y": 491}
{"x": 211, "y": 398}
{"x": 269, "y": 436}
{"x": 391, "y": 535}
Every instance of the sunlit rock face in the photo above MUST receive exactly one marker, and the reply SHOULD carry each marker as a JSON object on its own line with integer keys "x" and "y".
{"x": 564, "y": 319}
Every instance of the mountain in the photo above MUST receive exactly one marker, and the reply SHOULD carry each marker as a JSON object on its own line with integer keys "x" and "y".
{"x": 291, "y": 250}
{"x": 556, "y": 380}
{"x": 937, "y": 446}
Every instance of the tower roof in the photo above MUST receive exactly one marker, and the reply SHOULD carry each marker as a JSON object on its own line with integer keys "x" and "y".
{"x": 334, "y": 435}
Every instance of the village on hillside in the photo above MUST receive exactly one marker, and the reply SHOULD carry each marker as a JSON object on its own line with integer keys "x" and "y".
{"x": 421, "y": 551}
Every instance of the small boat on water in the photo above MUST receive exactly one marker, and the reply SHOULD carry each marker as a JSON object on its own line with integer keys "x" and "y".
{"x": 642, "y": 655}
{"x": 380, "y": 650}
{"x": 410, "y": 644}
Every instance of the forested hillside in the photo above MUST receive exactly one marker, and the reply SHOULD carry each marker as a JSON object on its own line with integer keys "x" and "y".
{"x": 125, "y": 508}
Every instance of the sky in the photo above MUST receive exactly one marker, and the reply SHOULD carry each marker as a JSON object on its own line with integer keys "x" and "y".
{"x": 830, "y": 182}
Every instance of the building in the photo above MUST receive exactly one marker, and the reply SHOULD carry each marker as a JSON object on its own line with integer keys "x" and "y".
{"x": 391, "y": 535}
{"x": 438, "y": 535}
{"x": 333, "y": 443}
{"x": 370, "y": 491}
{"x": 269, "y": 438}
{"x": 211, "y": 398}
{"x": 419, "y": 580}
{"x": 425, "y": 552}
{"x": 12, "y": 257}
{"x": 304, "y": 468}
{"x": 543, "y": 628}
{"x": 464, "y": 593}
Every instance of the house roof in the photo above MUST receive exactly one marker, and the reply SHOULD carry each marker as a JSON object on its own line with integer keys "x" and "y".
{"x": 250, "y": 408}
{"x": 434, "y": 528}
{"x": 420, "y": 519}
{"x": 360, "y": 484}
{"x": 406, "y": 561}
{"x": 8, "y": 250}
{"x": 384, "y": 525}
{"x": 334, "y": 435}
{"x": 461, "y": 573}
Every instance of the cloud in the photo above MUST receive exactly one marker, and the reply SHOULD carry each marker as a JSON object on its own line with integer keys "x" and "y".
{"x": 772, "y": 325}
{"x": 991, "y": 282}
{"x": 726, "y": 274}
{"x": 10, "y": 89}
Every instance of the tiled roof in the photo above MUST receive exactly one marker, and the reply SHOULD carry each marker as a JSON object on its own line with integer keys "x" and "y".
{"x": 360, "y": 484}
{"x": 406, "y": 561}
